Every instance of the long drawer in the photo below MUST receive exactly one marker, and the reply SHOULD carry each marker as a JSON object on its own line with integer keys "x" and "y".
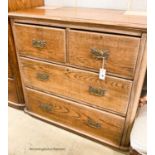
{"x": 100, "y": 125}
{"x": 83, "y": 86}
{"x": 41, "y": 42}
{"x": 87, "y": 49}
{"x": 12, "y": 94}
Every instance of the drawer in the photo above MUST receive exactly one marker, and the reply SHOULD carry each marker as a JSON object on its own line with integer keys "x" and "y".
{"x": 12, "y": 94}
{"x": 94, "y": 123}
{"x": 40, "y": 42}
{"x": 82, "y": 86}
{"x": 86, "y": 49}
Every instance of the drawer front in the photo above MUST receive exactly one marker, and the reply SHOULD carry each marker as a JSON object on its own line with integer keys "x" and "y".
{"x": 12, "y": 94}
{"x": 100, "y": 125}
{"x": 112, "y": 94}
{"x": 87, "y": 49}
{"x": 40, "y": 42}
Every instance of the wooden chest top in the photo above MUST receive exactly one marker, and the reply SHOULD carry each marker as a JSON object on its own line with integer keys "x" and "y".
{"x": 85, "y": 15}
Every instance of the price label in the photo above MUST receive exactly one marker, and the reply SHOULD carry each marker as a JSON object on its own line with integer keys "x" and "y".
{"x": 102, "y": 74}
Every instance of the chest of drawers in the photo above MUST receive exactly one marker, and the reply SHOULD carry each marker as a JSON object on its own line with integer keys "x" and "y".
{"x": 60, "y": 52}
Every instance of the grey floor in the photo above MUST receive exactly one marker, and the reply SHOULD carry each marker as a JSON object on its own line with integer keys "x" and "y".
{"x": 30, "y": 136}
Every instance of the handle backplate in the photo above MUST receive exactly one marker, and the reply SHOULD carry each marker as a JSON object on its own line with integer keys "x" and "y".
{"x": 46, "y": 107}
{"x": 42, "y": 76}
{"x": 93, "y": 124}
{"x": 96, "y": 91}
{"x": 99, "y": 54}
{"x": 39, "y": 44}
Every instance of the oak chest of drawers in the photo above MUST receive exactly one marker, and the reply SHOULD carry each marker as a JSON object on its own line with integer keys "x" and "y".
{"x": 60, "y": 52}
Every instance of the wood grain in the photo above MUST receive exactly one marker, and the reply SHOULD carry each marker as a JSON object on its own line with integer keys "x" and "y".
{"x": 80, "y": 26}
{"x": 88, "y": 16}
{"x": 54, "y": 39}
{"x": 23, "y": 4}
{"x": 76, "y": 116}
{"x": 74, "y": 83}
{"x": 136, "y": 90}
{"x": 12, "y": 94}
{"x": 10, "y": 74}
{"x": 123, "y": 52}
{"x": 12, "y": 61}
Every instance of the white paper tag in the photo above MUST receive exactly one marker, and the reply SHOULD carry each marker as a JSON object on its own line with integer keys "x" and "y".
{"x": 102, "y": 74}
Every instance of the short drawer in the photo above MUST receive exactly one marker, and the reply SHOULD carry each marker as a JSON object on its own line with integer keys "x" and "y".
{"x": 12, "y": 94}
{"x": 40, "y": 42}
{"x": 82, "y": 86}
{"x": 97, "y": 124}
{"x": 87, "y": 49}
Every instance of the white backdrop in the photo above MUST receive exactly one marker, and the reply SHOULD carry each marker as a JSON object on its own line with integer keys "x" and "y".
{"x": 139, "y": 5}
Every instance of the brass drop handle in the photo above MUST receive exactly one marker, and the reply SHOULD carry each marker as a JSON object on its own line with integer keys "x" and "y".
{"x": 42, "y": 76}
{"x": 39, "y": 44}
{"x": 46, "y": 107}
{"x": 100, "y": 54}
{"x": 93, "y": 124}
{"x": 96, "y": 91}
